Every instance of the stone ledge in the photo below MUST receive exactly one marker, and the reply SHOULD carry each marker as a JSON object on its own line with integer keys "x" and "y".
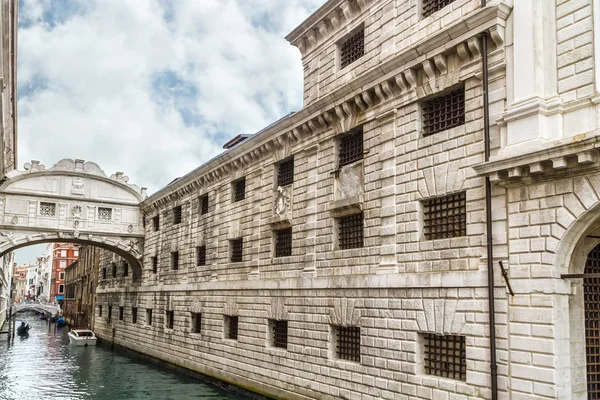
{"x": 341, "y": 208}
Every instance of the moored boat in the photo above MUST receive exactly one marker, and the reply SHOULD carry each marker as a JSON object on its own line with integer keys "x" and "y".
{"x": 82, "y": 337}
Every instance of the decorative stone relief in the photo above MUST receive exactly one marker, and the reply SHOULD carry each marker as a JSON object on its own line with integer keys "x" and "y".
{"x": 442, "y": 179}
{"x": 344, "y": 313}
{"x": 277, "y": 309}
{"x": 77, "y": 187}
{"x": 439, "y": 316}
{"x": 230, "y": 307}
{"x": 282, "y": 200}
{"x": 350, "y": 181}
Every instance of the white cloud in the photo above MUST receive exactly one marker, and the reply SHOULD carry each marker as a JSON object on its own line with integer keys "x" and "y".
{"x": 152, "y": 88}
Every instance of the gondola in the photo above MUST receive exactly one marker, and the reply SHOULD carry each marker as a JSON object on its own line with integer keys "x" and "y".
{"x": 23, "y": 329}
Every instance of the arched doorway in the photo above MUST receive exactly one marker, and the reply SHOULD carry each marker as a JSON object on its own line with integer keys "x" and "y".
{"x": 591, "y": 298}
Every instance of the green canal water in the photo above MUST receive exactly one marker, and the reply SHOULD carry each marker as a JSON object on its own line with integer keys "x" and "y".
{"x": 44, "y": 366}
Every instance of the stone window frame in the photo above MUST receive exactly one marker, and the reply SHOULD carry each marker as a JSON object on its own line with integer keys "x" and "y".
{"x": 204, "y": 204}
{"x": 422, "y": 362}
{"x": 231, "y": 327}
{"x": 154, "y": 260}
{"x": 61, "y": 276}
{"x": 423, "y": 8}
{"x": 121, "y": 313}
{"x": 275, "y": 235}
{"x": 134, "y": 315}
{"x": 422, "y": 204}
{"x": 177, "y": 214}
{"x": 125, "y": 268}
{"x": 99, "y": 310}
{"x": 236, "y": 192}
{"x": 175, "y": 259}
{"x": 337, "y": 226}
{"x": 114, "y": 269}
{"x": 44, "y": 208}
{"x": 148, "y": 317}
{"x": 104, "y": 272}
{"x": 201, "y": 256}
{"x": 339, "y": 143}
{"x": 343, "y": 40}
{"x": 232, "y": 244}
{"x": 196, "y": 323}
{"x": 156, "y": 223}
{"x": 109, "y": 314}
{"x": 278, "y": 171}
{"x": 61, "y": 288}
{"x": 273, "y": 325}
{"x": 169, "y": 319}
{"x": 420, "y": 106}
{"x": 334, "y": 331}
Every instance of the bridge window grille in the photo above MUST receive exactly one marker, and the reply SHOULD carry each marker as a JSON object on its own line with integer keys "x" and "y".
{"x": 350, "y": 147}
{"x": 591, "y": 299}
{"x": 121, "y": 313}
{"x": 104, "y": 214}
{"x": 231, "y": 326}
{"x": 444, "y": 112}
{"x": 347, "y": 342}
{"x": 352, "y": 49}
{"x": 239, "y": 190}
{"x": 351, "y": 231}
{"x": 283, "y": 242}
{"x": 100, "y": 310}
{"x": 175, "y": 260}
{"x": 109, "y": 314}
{"x": 114, "y": 270}
{"x": 47, "y": 209}
{"x": 125, "y": 269}
{"x": 201, "y": 255}
{"x": 204, "y": 204}
{"x": 134, "y": 315}
{"x": 177, "y": 215}
{"x": 285, "y": 173}
{"x": 148, "y": 316}
{"x": 237, "y": 247}
{"x": 431, "y": 6}
{"x": 154, "y": 264}
{"x": 280, "y": 333}
{"x": 196, "y": 322}
{"x": 170, "y": 318}
{"x": 445, "y": 356}
{"x": 445, "y": 217}
{"x": 155, "y": 223}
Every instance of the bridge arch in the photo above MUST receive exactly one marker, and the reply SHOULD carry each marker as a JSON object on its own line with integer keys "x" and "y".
{"x": 47, "y": 308}
{"x": 73, "y": 201}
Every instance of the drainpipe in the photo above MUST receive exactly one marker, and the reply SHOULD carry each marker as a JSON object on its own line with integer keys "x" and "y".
{"x": 488, "y": 215}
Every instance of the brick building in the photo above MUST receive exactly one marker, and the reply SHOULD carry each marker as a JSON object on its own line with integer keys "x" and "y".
{"x": 63, "y": 255}
{"x": 355, "y": 248}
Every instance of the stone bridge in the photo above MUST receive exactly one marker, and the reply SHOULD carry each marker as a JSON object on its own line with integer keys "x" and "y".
{"x": 47, "y": 308}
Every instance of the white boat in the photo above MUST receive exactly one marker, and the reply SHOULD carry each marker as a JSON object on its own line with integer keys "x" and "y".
{"x": 82, "y": 337}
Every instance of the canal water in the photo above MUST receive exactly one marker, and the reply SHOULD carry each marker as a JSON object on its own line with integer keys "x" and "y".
{"x": 44, "y": 366}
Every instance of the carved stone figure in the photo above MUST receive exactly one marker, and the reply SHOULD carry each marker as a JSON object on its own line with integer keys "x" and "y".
{"x": 77, "y": 186}
{"x": 282, "y": 200}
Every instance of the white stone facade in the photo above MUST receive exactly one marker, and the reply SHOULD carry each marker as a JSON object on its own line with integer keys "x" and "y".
{"x": 399, "y": 286}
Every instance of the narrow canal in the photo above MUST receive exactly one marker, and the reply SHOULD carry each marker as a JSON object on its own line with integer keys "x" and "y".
{"x": 44, "y": 366}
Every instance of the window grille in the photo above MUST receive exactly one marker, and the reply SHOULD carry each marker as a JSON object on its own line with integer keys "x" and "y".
{"x": 445, "y": 217}
{"x": 239, "y": 190}
{"x": 177, "y": 215}
{"x": 280, "y": 334}
{"x": 104, "y": 214}
{"x": 201, "y": 255}
{"x": 231, "y": 323}
{"x": 100, "y": 311}
{"x": 148, "y": 316}
{"x": 47, "y": 209}
{"x": 134, "y": 315}
{"x": 155, "y": 223}
{"x": 237, "y": 246}
{"x": 204, "y": 204}
{"x": 348, "y": 343}
{"x": 154, "y": 264}
{"x": 285, "y": 173}
{"x": 114, "y": 270}
{"x": 353, "y": 48}
{"x": 175, "y": 260}
{"x": 120, "y": 313}
{"x": 196, "y": 322}
{"x": 170, "y": 318}
{"x": 283, "y": 242}
{"x": 351, "y": 147}
{"x": 109, "y": 314}
{"x": 444, "y": 112}
{"x": 351, "y": 231}
{"x": 591, "y": 298}
{"x": 125, "y": 269}
{"x": 445, "y": 356}
{"x": 431, "y": 6}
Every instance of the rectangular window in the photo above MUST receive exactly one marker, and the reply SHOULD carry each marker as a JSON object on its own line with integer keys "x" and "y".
{"x": 148, "y": 316}
{"x": 201, "y": 255}
{"x": 175, "y": 260}
{"x": 351, "y": 231}
{"x": 177, "y": 215}
{"x": 444, "y": 112}
{"x": 47, "y": 209}
{"x": 104, "y": 214}
{"x": 120, "y": 313}
{"x": 109, "y": 314}
{"x": 347, "y": 342}
{"x": 114, "y": 270}
{"x": 61, "y": 289}
{"x": 155, "y": 223}
{"x": 170, "y": 318}
{"x": 285, "y": 173}
{"x": 431, "y": 6}
{"x": 63, "y": 253}
{"x": 231, "y": 327}
{"x": 63, "y": 263}
{"x": 134, "y": 315}
{"x": 104, "y": 273}
{"x": 239, "y": 189}
{"x": 350, "y": 147}
{"x": 204, "y": 204}
{"x": 154, "y": 264}
{"x": 61, "y": 276}
{"x": 279, "y": 330}
{"x": 352, "y": 49}
{"x": 237, "y": 246}
{"x": 445, "y": 217}
{"x": 75, "y": 253}
{"x": 100, "y": 310}
{"x": 125, "y": 269}
{"x": 196, "y": 322}
{"x": 445, "y": 356}
{"x": 283, "y": 242}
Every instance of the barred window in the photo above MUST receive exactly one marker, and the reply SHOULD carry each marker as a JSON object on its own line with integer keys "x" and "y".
{"x": 444, "y": 112}
{"x": 114, "y": 270}
{"x": 196, "y": 322}
{"x": 285, "y": 173}
{"x": 134, "y": 315}
{"x": 431, "y": 6}
{"x": 47, "y": 209}
{"x": 347, "y": 339}
{"x": 125, "y": 269}
{"x": 283, "y": 242}
{"x": 177, "y": 215}
{"x": 445, "y": 356}
{"x": 352, "y": 49}
{"x": 350, "y": 231}
{"x": 120, "y": 313}
{"x": 155, "y": 223}
{"x": 204, "y": 204}
{"x": 201, "y": 255}
{"x": 104, "y": 214}
{"x": 231, "y": 327}
{"x": 109, "y": 314}
{"x": 239, "y": 190}
{"x": 237, "y": 246}
{"x": 104, "y": 273}
{"x": 445, "y": 217}
{"x": 148, "y": 316}
{"x": 174, "y": 260}
{"x": 351, "y": 147}
{"x": 170, "y": 318}
{"x": 154, "y": 264}
{"x": 100, "y": 310}
{"x": 279, "y": 329}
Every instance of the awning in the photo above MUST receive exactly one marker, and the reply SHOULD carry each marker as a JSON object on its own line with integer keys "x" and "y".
{"x": 60, "y": 297}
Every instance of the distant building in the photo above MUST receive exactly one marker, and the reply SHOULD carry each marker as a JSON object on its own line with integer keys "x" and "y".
{"x": 81, "y": 278}
{"x": 44, "y": 263}
{"x": 63, "y": 254}
{"x": 19, "y": 282}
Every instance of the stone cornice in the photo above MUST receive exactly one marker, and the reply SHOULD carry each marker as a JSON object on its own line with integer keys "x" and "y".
{"x": 338, "y": 110}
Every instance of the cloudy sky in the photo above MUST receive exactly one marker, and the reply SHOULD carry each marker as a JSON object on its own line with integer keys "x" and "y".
{"x": 152, "y": 88}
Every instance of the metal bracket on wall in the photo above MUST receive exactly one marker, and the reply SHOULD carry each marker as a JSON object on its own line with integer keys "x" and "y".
{"x": 505, "y": 275}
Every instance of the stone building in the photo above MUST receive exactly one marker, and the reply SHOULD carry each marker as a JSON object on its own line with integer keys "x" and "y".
{"x": 354, "y": 249}
{"x": 19, "y": 282}
{"x": 81, "y": 279}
